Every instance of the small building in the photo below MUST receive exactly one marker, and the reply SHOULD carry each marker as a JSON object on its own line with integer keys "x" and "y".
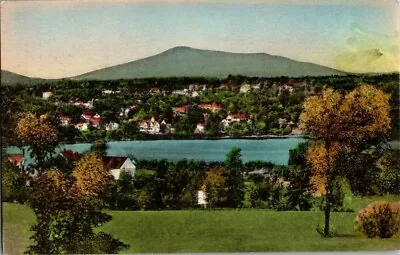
{"x": 65, "y": 120}
{"x": 180, "y": 110}
{"x": 201, "y": 198}
{"x": 211, "y": 106}
{"x": 47, "y": 94}
{"x": 115, "y": 165}
{"x": 82, "y": 125}
{"x": 95, "y": 121}
{"x": 150, "y": 126}
{"x": 282, "y": 122}
{"x": 237, "y": 117}
{"x": 199, "y": 128}
{"x": 16, "y": 160}
{"x": 245, "y": 88}
{"x": 155, "y": 91}
{"x": 111, "y": 126}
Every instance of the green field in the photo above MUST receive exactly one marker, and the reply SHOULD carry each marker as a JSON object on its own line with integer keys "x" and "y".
{"x": 215, "y": 231}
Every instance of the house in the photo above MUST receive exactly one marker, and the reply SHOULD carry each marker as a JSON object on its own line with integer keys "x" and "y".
{"x": 282, "y": 122}
{"x": 155, "y": 91}
{"x": 201, "y": 198}
{"x": 212, "y": 106}
{"x": 46, "y": 94}
{"x": 150, "y": 126}
{"x": 89, "y": 104}
{"x": 180, "y": 109}
{"x": 78, "y": 102}
{"x": 115, "y": 165}
{"x": 95, "y": 121}
{"x": 223, "y": 126}
{"x": 65, "y": 120}
{"x": 107, "y": 92}
{"x": 245, "y": 88}
{"x": 82, "y": 125}
{"x": 111, "y": 126}
{"x": 184, "y": 92}
{"x": 70, "y": 155}
{"x": 87, "y": 115}
{"x": 237, "y": 117}
{"x": 195, "y": 94}
{"x": 16, "y": 160}
{"x": 199, "y": 128}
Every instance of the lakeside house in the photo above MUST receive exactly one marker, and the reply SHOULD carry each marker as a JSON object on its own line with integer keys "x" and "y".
{"x": 114, "y": 165}
{"x": 237, "y": 117}
{"x": 149, "y": 125}
{"x": 111, "y": 126}
{"x": 199, "y": 128}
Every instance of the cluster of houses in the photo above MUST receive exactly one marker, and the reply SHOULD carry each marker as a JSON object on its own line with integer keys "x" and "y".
{"x": 114, "y": 165}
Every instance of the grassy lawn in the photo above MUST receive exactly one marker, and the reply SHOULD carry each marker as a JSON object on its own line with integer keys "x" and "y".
{"x": 215, "y": 231}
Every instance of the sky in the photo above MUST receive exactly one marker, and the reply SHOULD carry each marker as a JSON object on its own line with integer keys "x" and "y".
{"x": 54, "y": 39}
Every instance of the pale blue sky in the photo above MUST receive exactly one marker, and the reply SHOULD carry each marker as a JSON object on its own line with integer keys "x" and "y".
{"x": 62, "y": 39}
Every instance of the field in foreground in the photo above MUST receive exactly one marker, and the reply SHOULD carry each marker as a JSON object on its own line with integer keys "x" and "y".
{"x": 213, "y": 231}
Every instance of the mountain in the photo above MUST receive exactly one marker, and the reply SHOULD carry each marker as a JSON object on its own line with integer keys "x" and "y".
{"x": 9, "y": 78}
{"x": 190, "y": 62}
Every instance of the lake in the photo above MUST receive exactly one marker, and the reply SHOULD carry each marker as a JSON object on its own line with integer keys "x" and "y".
{"x": 273, "y": 150}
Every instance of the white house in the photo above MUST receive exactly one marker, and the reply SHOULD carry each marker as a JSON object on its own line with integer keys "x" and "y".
{"x": 245, "y": 88}
{"x": 149, "y": 126}
{"x": 111, "y": 126}
{"x": 199, "y": 128}
{"x": 201, "y": 198}
{"x": 82, "y": 126}
{"x": 46, "y": 94}
{"x": 116, "y": 165}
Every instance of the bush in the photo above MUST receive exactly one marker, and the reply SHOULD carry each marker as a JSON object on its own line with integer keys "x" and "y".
{"x": 380, "y": 219}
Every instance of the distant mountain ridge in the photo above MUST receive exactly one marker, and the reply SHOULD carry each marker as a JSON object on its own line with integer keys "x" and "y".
{"x": 189, "y": 62}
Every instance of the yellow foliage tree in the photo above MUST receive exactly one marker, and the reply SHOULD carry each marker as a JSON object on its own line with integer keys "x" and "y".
{"x": 39, "y": 134}
{"x": 90, "y": 175}
{"x": 342, "y": 124}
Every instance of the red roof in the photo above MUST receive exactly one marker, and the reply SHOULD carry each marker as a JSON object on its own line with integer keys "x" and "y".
{"x": 95, "y": 121}
{"x": 15, "y": 159}
{"x": 69, "y": 154}
{"x": 133, "y": 105}
{"x": 201, "y": 124}
{"x": 180, "y": 109}
{"x": 211, "y": 105}
{"x": 65, "y": 117}
{"x": 155, "y": 90}
{"x": 47, "y": 90}
{"x": 113, "y": 162}
{"x": 240, "y": 116}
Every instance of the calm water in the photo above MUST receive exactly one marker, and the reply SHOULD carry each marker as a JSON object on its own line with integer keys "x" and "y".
{"x": 273, "y": 150}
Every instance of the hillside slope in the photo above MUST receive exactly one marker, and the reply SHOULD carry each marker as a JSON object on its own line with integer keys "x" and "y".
{"x": 189, "y": 62}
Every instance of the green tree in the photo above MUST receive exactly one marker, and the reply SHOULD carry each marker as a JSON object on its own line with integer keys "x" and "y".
{"x": 233, "y": 178}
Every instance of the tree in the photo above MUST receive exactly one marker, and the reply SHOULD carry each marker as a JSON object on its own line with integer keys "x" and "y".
{"x": 40, "y": 134}
{"x": 90, "y": 175}
{"x": 342, "y": 124}
{"x": 65, "y": 220}
{"x": 215, "y": 188}
{"x": 234, "y": 178}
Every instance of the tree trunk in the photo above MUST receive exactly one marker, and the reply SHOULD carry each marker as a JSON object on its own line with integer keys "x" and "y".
{"x": 329, "y": 179}
{"x": 327, "y": 213}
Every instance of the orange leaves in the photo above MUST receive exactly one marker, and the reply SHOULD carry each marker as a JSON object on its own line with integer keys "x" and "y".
{"x": 357, "y": 117}
{"x": 37, "y": 131}
{"x": 379, "y": 219}
{"x": 90, "y": 175}
{"x": 342, "y": 123}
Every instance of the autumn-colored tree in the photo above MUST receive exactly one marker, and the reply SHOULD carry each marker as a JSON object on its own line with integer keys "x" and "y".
{"x": 65, "y": 220}
{"x": 215, "y": 188}
{"x": 341, "y": 124}
{"x": 39, "y": 134}
{"x": 90, "y": 175}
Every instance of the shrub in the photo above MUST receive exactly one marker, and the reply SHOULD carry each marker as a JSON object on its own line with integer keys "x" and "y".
{"x": 380, "y": 219}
